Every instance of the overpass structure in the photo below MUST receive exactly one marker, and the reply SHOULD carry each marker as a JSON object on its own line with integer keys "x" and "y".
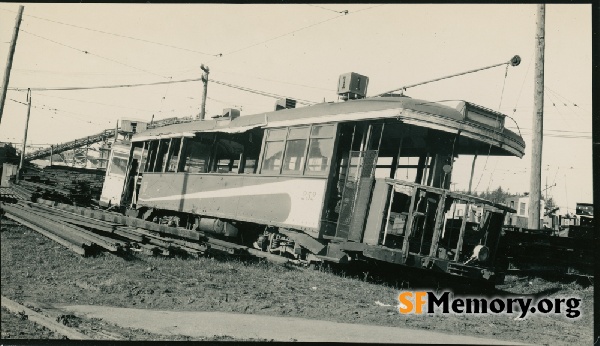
{"x": 71, "y": 145}
{"x": 81, "y": 145}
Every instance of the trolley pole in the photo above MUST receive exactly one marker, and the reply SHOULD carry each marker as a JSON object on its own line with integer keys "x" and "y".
{"x": 205, "y": 81}
{"x": 25, "y": 135}
{"x": 535, "y": 192}
{"x": 11, "y": 53}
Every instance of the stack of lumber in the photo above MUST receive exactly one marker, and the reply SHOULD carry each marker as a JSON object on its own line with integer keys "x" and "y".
{"x": 64, "y": 184}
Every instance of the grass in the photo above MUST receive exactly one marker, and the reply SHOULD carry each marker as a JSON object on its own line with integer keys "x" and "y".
{"x": 34, "y": 267}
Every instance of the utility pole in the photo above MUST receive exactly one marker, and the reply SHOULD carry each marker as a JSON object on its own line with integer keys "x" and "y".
{"x": 535, "y": 184}
{"x": 11, "y": 52}
{"x": 205, "y": 81}
{"x": 25, "y": 135}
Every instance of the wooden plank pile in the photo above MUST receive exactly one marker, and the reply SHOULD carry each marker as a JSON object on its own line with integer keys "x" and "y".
{"x": 64, "y": 184}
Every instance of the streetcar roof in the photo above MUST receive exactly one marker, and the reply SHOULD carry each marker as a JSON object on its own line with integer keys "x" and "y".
{"x": 473, "y": 121}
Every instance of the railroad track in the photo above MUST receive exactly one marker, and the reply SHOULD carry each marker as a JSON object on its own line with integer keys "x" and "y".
{"x": 88, "y": 232}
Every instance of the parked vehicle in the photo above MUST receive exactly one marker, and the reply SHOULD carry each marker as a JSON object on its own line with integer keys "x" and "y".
{"x": 322, "y": 183}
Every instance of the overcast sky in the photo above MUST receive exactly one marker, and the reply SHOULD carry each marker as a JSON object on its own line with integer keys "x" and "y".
{"x": 299, "y": 51}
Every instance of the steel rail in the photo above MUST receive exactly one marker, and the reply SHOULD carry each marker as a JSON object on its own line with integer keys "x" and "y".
{"x": 107, "y": 243}
{"x": 58, "y": 226}
{"x": 75, "y": 248}
{"x": 209, "y": 244}
{"x": 149, "y": 240}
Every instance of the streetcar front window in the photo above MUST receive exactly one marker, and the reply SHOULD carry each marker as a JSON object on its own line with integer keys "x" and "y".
{"x": 118, "y": 166}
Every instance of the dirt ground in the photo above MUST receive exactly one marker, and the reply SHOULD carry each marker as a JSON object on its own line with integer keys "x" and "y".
{"x": 36, "y": 269}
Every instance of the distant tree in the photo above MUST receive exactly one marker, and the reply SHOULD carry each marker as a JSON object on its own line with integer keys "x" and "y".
{"x": 497, "y": 196}
{"x": 8, "y": 154}
{"x": 550, "y": 204}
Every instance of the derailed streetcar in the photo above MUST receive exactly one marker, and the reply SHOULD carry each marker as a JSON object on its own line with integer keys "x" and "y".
{"x": 322, "y": 183}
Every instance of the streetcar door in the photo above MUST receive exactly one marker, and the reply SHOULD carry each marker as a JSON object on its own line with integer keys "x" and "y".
{"x": 358, "y": 184}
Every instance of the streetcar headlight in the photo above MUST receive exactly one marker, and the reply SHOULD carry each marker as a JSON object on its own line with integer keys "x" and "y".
{"x": 481, "y": 252}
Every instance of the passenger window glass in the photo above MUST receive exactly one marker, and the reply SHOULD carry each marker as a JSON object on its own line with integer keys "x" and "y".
{"x": 322, "y": 131}
{"x": 276, "y": 134}
{"x": 319, "y": 156}
{"x": 272, "y": 161}
{"x": 298, "y": 133}
{"x": 294, "y": 156}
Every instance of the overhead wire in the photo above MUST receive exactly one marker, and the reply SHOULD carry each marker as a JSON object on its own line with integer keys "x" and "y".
{"x": 276, "y": 81}
{"x": 552, "y": 130}
{"x": 163, "y": 98}
{"x": 568, "y": 106}
{"x": 146, "y": 71}
{"x": 223, "y": 102}
{"x": 113, "y": 86}
{"x": 328, "y": 9}
{"x": 117, "y": 35}
{"x": 279, "y": 36}
{"x": 365, "y": 9}
{"x": 90, "y": 53}
{"x": 55, "y": 110}
{"x": 294, "y": 31}
{"x": 92, "y": 102}
{"x": 565, "y": 136}
{"x": 559, "y": 133}
{"x": 561, "y": 116}
{"x": 263, "y": 93}
{"x": 560, "y": 96}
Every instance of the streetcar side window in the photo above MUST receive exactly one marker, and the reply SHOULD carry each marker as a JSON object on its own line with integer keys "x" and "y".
{"x": 219, "y": 153}
{"x": 301, "y": 150}
{"x": 228, "y": 154}
{"x": 197, "y": 154}
{"x": 273, "y": 154}
{"x": 274, "y": 145}
{"x": 320, "y": 149}
{"x": 295, "y": 148}
{"x": 173, "y": 155}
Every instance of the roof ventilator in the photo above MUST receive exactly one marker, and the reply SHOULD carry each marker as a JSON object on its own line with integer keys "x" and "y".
{"x": 228, "y": 114}
{"x": 285, "y": 103}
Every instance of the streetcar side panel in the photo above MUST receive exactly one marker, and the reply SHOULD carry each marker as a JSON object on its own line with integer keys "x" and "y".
{"x": 294, "y": 202}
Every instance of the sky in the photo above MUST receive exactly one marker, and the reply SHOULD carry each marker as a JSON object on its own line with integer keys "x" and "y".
{"x": 299, "y": 51}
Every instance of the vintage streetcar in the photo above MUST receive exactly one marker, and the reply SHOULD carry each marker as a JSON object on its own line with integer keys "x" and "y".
{"x": 366, "y": 179}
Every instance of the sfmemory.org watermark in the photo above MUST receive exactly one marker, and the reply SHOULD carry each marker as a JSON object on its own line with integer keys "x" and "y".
{"x": 419, "y": 302}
